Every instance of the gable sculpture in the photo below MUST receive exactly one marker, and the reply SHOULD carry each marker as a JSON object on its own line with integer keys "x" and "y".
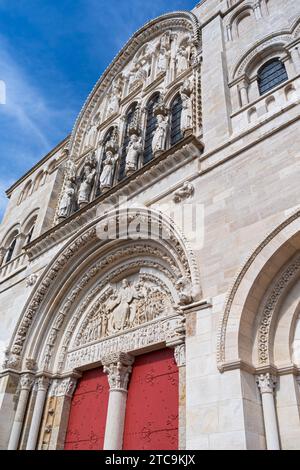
{"x": 165, "y": 62}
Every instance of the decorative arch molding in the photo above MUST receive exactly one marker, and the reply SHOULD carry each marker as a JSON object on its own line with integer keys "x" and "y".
{"x": 278, "y": 40}
{"x": 238, "y": 319}
{"x": 270, "y": 308}
{"x": 86, "y": 258}
{"x": 234, "y": 17}
{"x": 181, "y": 19}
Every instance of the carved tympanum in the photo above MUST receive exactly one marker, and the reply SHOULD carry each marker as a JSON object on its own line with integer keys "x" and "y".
{"x": 127, "y": 306}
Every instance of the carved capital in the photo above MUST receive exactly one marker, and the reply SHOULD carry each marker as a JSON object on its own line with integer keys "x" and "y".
{"x": 266, "y": 383}
{"x": 26, "y": 382}
{"x": 43, "y": 384}
{"x": 179, "y": 355}
{"x": 31, "y": 364}
{"x": 118, "y": 367}
{"x": 64, "y": 387}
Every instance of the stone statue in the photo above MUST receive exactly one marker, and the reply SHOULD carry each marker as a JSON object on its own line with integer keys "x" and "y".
{"x": 187, "y": 107}
{"x": 187, "y": 190}
{"x": 123, "y": 308}
{"x": 107, "y": 174}
{"x": 182, "y": 59}
{"x": 134, "y": 150}
{"x": 86, "y": 185}
{"x": 115, "y": 98}
{"x": 162, "y": 61}
{"x": 67, "y": 201}
{"x": 160, "y": 134}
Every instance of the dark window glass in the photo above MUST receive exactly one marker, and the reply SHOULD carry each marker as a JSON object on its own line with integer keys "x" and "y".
{"x": 150, "y": 128}
{"x": 129, "y": 119}
{"x": 176, "y": 111}
{"x": 29, "y": 236}
{"x": 10, "y": 251}
{"x": 270, "y": 75}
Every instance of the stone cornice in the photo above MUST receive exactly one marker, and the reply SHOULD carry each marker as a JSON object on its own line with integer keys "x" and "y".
{"x": 169, "y": 161}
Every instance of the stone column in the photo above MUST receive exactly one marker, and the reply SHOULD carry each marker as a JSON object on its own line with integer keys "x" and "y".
{"x": 2, "y": 255}
{"x": 229, "y": 32}
{"x": 179, "y": 354}
{"x": 244, "y": 93}
{"x": 42, "y": 384}
{"x": 118, "y": 368}
{"x": 296, "y": 58}
{"x": 266, "y": 384}
{"x": 20, "y": 243}
{"x": 26, "y": 383}
{"x": 257, "y": 10}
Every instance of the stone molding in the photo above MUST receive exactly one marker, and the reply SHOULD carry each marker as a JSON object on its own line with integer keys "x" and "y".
{"x": 282, "y": 283}
{"x": 221, "y": 339}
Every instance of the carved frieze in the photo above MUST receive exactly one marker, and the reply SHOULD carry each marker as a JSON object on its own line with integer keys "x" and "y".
{"x": 156, "y": 333}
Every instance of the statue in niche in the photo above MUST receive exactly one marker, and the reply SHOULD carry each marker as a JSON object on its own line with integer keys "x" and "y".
{"x": 66, "y": 205}
{"x": 187, "y": 106}
{"x": 134, "y": 150}
{"x": 182, "y": 59}
{"x": 160, "y": 135}
{"x": 91, "y": 135}
{"x": 67, "y": 202}
{"x": 86, "y": 185}
{"x": 162, "y": 61}
{"x": 108, "y": 170}
{"x": 114, "y": 101}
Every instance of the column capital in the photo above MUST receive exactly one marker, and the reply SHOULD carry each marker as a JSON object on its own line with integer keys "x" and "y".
{"x": 118, "y": 367}
{"x": 179, "y": 355}
{"x": 266, "y": 383}
{"x": 26, "y": 381}
{"x": 42, "y": 384}
{"x": 64, "y": 387}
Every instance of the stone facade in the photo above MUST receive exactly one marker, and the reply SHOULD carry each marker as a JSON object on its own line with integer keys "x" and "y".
{"x": 82, "y": 282}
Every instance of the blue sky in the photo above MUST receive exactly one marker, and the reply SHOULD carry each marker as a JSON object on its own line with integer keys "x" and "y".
{"x": 51, "y": 54}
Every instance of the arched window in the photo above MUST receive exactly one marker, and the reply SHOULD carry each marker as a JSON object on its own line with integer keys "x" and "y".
{"x": 129, "y": 119}
{"x": 38, "y": 181}
{"x": 271, "y": 74}
{"x": 11, "y": 250}
{"x": 176, "y": 111}
{"x": 150, "y": 128}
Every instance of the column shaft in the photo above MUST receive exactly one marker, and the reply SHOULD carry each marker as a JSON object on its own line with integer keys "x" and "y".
{"x": 266, "y": 384}
{"x": 26, "y": 383}
{"x": 37, "y": 414}
{"x": 118, "y": 368}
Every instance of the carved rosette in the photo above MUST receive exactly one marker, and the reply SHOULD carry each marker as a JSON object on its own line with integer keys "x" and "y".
{"x": 26, "y": 382}
{"x": 118, "y": 367}
{"x": 266, "y": 383}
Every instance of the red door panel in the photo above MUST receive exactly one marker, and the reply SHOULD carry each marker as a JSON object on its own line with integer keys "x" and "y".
{"x": 88, "y": 413}
{"x": 151, "y": 421}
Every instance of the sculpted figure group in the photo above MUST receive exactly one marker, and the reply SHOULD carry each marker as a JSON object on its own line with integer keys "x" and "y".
{"x": 128, "y": 306}
{"x": 99, "y": 171}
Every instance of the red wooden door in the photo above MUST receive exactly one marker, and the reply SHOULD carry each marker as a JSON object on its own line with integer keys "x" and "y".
{"x": 151, "y": 421}
{"x": 88, "y": 413}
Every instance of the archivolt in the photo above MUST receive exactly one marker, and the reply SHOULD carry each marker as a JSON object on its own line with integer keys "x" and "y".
{"x": 82, "y": 259}
{"x": 273, "y": 252}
